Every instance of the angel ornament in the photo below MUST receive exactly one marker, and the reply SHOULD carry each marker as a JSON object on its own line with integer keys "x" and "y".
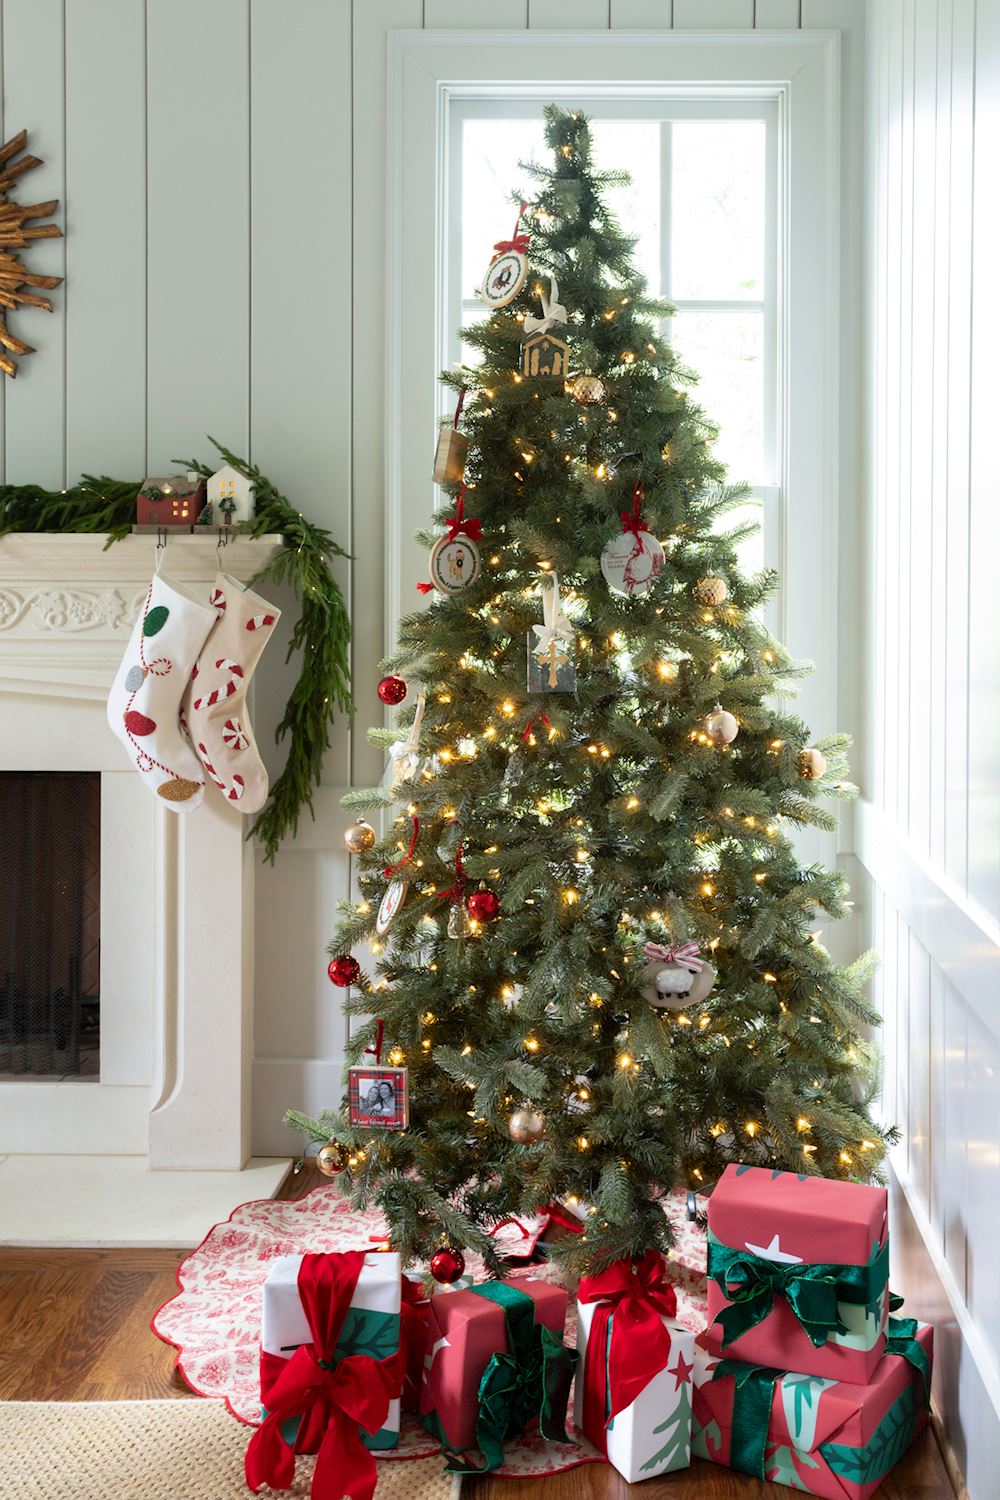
{"x": 550, "y": 646}
{"x": 675, "y": 976}
{"x": 404, "y": 756}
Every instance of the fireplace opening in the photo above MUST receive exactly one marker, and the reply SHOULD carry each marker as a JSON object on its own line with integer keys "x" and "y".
{"x": 50, "y": 924}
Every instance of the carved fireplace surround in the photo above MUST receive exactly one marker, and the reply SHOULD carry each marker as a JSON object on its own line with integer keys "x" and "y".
{"x": 176, "y": 891}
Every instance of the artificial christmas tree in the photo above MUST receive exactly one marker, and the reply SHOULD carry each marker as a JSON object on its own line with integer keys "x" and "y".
{"x": 653, "y": 802}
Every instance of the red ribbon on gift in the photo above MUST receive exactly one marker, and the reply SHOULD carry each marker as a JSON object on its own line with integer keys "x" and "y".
{"x": 414, "y": 1315}
{"x": 520, "y": 241}
{"x": 631, "y": 520}
{"x": 559, "y": 1215}
{"x": 390, "y": 870}
{"x": 638, "y": 1294}
{"x": 331, "y": 1400}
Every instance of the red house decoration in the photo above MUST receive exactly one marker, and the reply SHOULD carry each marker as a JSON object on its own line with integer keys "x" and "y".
{"x": 177, "y": 501}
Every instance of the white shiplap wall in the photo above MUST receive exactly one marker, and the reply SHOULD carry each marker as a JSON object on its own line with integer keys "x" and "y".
{"x": 221, "y": 172}
{"x": 930, "y": 832}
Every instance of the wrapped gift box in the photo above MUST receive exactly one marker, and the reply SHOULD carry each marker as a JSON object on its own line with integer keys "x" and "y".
{"x": 371, "y": 1327}
{"x": 415, "y": 1310}
{"x": 780, "y": 1225}
{"x": 465, "y": 1329}
{"x": 653, "y": 1435}
{"x": 823, "y": 1436}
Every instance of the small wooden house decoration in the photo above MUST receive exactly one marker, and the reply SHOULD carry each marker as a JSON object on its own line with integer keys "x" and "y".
{"x": 230, "y": 497}
{"x": 545, "y": 356}
{"x": 178, "y": 501}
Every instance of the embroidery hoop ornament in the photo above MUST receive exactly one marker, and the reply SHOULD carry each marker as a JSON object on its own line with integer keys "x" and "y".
{"x": 633, "y": 560}
{"x": 454, "y": 559}
{"x": 508, "y": 270}
{"x": 398, "y": 887}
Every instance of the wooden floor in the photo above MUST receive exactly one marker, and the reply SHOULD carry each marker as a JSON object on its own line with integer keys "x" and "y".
{"x": 74, "y": 1326}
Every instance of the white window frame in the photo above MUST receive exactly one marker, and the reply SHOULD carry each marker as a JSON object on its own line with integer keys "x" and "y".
{"x": 800, "y": 71}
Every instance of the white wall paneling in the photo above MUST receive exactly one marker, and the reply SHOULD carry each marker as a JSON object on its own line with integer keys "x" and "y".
{"x": 929, "y": 832}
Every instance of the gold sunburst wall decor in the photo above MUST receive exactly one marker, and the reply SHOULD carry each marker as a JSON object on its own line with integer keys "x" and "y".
{"x": 18, "y": 227}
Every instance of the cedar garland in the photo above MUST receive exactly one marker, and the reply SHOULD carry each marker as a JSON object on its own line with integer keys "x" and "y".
{"x": 321, "y": 635}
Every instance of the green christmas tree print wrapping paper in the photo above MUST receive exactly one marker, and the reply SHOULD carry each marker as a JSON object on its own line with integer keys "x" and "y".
{"x": 822, "y": 1436}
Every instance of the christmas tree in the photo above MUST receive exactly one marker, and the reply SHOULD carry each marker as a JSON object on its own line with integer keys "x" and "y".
{"x": 603, "y": 978}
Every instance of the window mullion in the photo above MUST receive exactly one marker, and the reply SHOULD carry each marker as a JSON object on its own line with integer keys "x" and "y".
{"x": 666, "y": 216}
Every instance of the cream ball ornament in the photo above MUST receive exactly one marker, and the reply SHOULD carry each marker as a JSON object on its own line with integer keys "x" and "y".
{"x": 812, "y": 764}
{"x": 711, "y": 591}
{"x": 526, "y": 1126}
{"x": 721, "y": 726}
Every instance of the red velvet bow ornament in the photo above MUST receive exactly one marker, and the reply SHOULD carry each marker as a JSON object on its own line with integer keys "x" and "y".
{"x": 331, "y": 1400}
{"x": 631, "y": 520}
{"x": 458, "y": 525}
{"x": 639, "y": 1296}
{"x": 520, "y": 242}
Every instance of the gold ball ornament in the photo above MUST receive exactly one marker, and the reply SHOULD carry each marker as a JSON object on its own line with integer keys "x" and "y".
{"x": 359, "y": 837}
{"x": 812, "y": 764}
{"x": 332, "y": 1158}
{"x": 526, "y": 1126}
{"x": 721, "y": 726}
{"x": 711, "y": 590}
{"x": 587, "y": 388}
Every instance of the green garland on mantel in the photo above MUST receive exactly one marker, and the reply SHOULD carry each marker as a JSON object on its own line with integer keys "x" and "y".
{"x": 322, "y": 632}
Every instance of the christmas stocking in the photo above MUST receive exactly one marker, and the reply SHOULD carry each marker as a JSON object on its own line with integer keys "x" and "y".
{"x": 215, "y": 702}
{"x": 145, "y": 699}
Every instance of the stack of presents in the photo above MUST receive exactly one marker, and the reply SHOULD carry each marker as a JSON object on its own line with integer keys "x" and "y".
{"x": 801, "y": 1373}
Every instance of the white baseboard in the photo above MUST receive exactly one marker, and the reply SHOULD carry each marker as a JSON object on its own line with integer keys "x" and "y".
{"x": 280, "y": 1083}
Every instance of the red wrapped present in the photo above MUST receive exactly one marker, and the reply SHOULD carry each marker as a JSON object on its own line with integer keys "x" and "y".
{"x": 824, "y": 1436}
{"x": 496, "y": 1361}
{"x": 798, "y": 1272}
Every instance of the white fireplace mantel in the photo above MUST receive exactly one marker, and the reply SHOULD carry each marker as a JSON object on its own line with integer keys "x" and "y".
{"x": 176, "y": 890}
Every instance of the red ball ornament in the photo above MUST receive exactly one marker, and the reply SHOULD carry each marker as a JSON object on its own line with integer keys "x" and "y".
{"x": 392, "y": 690}
{"x": 344, "y": 970}
{"x": 483, "y": 905}
{"x": 447, "y": 1265}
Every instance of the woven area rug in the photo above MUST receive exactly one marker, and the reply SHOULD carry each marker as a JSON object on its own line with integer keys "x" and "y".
{"x": 214, "y": 1321}
{"x": 156, "y": 1450}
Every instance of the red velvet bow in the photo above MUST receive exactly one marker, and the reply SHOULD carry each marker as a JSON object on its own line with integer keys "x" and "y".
{"x": 520, "y": 242}
{"x": 414, "y": 1314}
{"x": 631, "y": 520}
{"x": 458, "y": 525}
{"x": 330, "y": 1400}
{"x": 639, "y": 1296}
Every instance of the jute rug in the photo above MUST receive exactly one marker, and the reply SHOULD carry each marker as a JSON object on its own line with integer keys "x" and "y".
{"x": 157, "y": 1450}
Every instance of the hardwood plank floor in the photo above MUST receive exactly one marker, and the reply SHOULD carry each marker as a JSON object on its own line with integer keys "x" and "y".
{"x": 74, "y": 1326}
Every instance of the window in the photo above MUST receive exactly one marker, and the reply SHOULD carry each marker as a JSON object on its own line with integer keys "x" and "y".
{"x": 703, "y": 207}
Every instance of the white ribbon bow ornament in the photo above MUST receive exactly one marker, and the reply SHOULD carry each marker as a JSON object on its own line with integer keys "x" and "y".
{"x": 552, "y": 311}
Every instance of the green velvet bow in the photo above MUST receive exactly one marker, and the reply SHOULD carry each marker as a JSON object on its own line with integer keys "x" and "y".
{"x": 532, "y": 1378}
{"x": 754, "y": 1394}
{"x": 751, "y": 1284}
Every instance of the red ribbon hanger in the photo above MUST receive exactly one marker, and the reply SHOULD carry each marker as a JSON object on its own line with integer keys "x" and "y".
{"x": 331, "y": 1400}
{"x": 377, "y": 1049}
{"x": 390, "y": 870}
{"x": 527, "y": 733}
{"x": 631, "y": 520}
{"x": 458, "y": 408}
{"x": 638, "y": 1294}
{"x": 457, "y": 891}
{"x": 458, "y": 526}
{"x": 519, "y": 242}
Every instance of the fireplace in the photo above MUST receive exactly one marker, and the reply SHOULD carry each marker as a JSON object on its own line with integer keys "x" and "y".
{"x": 50, "y": 924}
{"x": 126, "y": 931}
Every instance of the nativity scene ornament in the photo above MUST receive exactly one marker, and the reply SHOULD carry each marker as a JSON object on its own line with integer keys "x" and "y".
{"x": 18, "y": 227}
